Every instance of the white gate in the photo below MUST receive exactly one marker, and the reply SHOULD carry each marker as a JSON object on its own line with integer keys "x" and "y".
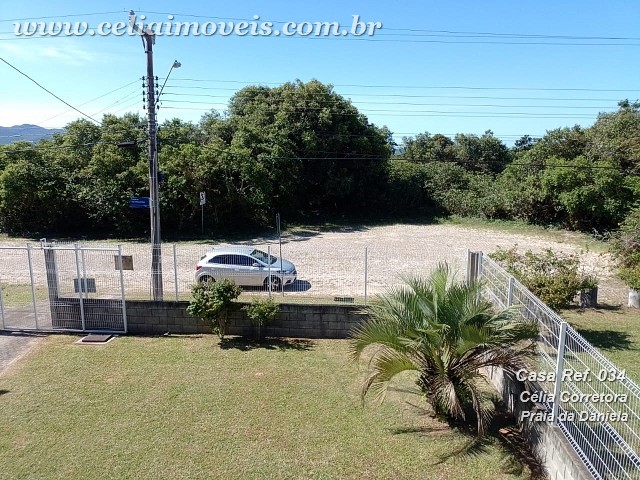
{"x": 50, "y": 287}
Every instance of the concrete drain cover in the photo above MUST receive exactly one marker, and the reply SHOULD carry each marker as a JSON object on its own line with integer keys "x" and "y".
{"x": 96, "y": 339}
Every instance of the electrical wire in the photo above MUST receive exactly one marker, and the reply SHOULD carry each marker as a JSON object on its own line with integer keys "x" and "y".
{"x": 50, "y": 92}
{"x": 430, "y": 87}
{"x": 90, "y": 101}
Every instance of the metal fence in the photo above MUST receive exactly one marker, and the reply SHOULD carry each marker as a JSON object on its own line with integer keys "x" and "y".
{"x": 598, "y": 412}
{"x": 61, "y": 287}
{"x": 339, "y": 274}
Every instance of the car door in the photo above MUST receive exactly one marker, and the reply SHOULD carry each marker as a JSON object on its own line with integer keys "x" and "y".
{"x": 219, "y": 266}
{"x": 246, "y": 271}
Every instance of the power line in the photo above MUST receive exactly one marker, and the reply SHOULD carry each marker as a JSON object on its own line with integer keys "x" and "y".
{"x": 275, "y": 102}
{"x": 50, "y": 92}
{"x": 126, "y": 98}
{"x": 465, "y": 97}
{"x": 426, "y": 87}
{"x": 90, "y": 101}
{"x": 396, "y": 95}
{"x": 62, "y": 16}
{"x": 432, "y": 113}
{"x": 418, "y": 31}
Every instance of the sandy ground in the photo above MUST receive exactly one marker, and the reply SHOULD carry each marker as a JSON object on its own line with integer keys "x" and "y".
{"x": 328, "y": 263}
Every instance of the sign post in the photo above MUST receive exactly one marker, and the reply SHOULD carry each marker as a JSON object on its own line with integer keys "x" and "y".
{"x": 203, "y": 200}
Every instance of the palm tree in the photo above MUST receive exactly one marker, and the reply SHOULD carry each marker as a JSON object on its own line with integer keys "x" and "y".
{"x": 446, "y": 332}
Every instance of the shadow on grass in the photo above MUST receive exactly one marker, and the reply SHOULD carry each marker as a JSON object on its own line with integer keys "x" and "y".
{"x": 502, "y": 431}
{"x": 297, "y": 286}
{"x": 601, "y": 308}
{"x": 246, "y": 344}
{"x": 607, "y": 339}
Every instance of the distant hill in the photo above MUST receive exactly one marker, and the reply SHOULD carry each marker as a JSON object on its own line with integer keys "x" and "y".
{"x": 28, "y": 133}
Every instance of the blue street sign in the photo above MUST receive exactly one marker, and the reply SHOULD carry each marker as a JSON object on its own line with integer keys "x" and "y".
{"x": 139, "y": 202}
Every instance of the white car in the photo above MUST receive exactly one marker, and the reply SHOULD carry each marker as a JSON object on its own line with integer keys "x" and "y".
{"x": 246, "y": 266}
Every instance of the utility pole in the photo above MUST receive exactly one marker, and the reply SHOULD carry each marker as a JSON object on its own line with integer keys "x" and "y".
{"x": 148, "y": 40}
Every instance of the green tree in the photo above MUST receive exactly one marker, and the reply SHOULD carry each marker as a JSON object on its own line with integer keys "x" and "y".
{"x": 484, "y": 154}
{"x": 588, "y": 195}
{"x": 615, "y": 138}
{"x": 407, "y": 193}
{"x": 319, "y": 154}
{"x": 428, "y": 148}
{"x": 113, "y": 175}
{"x": 445, "y": 332}
{"x": 32, "y": 192}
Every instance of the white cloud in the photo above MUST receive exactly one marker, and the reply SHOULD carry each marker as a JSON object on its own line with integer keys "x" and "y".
{"x": 61, "y": 50}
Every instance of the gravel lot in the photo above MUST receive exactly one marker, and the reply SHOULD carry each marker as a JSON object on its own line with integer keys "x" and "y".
{"x": 329, "y": 263}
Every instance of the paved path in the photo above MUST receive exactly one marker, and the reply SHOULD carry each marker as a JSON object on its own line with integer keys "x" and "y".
{"x": 15, "y": 345}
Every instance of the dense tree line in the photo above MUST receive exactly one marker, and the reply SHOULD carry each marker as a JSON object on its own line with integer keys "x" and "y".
{"x": 306, "y": 152}
{"x": 577, "y": 178}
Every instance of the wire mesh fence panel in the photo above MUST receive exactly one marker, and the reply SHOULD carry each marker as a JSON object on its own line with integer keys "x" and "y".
{"x": 596, "y": 405}
{"x": 605, "y": 406}
{"x": 22, "y": 292}
{"x": 325, "y": 270}
{"x": 61, "y": 287}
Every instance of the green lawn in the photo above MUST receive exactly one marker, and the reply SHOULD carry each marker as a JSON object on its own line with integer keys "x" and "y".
{"x": 615, "y": 331}
{"x": 20, "y": 295}
{"x": 186, "y": 407}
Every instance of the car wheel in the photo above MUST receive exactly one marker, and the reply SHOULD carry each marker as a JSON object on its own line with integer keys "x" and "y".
{"x": 206, "y": 278}
{"x": 276, "y": 283}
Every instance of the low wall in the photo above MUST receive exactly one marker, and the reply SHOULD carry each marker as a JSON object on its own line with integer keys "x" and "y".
{"x": 548, "y": 443}
{"x": 154, "y": 318}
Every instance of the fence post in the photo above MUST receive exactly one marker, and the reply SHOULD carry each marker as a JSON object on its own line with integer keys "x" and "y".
{"x": 175, "y": 271}
{"x": 81, "y": 287}
{"x": 366, "y": 273}
{"x": 33, "y": 285}
{"x": 1, "y": 308}
{"x": 559, "y": 368}
{"x": 122, "y": 296}
{"x": 510, "y": 292}
{"x": 474, "y": 266}
{"x": 269, "y": 268}
{"x": 52, "y": 280}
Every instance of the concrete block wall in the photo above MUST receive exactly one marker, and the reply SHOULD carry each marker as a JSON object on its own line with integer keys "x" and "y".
{"x": 154, "y": 318}
{"x": 293, "y": 320}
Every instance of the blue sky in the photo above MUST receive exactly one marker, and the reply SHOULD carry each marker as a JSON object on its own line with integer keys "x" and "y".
{"x": 421, "y": 72}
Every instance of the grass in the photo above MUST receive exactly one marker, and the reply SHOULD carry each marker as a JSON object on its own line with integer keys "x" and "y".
{"x": 190, "y": 407}
{"x": 20, "y": 295}
{"x": 614, "y": 330}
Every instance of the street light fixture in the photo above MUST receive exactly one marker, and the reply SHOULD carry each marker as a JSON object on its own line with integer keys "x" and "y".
{"x": 176, "y": 64}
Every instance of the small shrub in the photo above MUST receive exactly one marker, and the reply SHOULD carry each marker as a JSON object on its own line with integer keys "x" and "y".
{"x": 262, "y": 312}
{"x": 631, "y": 276}
{"x": 211, "y": 301}
{"x": 552, "y": 277}
{"x": 625, "y": 248}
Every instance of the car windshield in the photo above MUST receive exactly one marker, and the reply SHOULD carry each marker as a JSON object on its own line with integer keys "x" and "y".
{"x": 263, "y": 257}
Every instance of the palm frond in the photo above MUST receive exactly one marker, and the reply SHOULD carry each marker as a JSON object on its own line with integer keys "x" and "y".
{"x": 386, "y": 366}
